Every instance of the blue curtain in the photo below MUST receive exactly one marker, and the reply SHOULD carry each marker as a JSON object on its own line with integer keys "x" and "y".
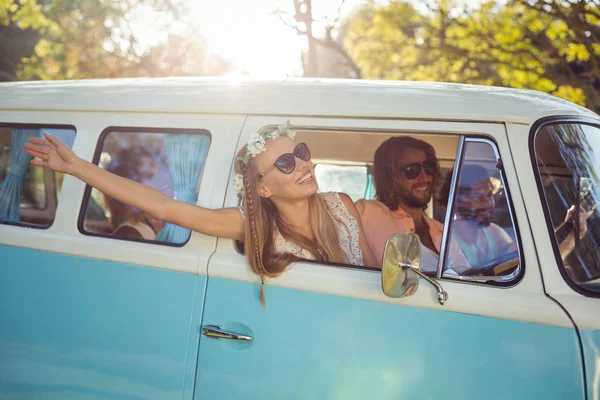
{"x": 370, "y": 189}
{"x": 186, "y": 155}
{"x": 11, "y": 186}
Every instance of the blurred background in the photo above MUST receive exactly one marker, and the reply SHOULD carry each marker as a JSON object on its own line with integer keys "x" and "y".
{"x": 548, "y": 45}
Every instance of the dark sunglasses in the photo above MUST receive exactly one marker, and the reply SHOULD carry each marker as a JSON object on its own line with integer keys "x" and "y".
{"x": 412, "y": 171}
{"x": 286, "y": 163}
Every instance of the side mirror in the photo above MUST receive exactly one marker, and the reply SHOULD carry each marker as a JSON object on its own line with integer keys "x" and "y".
{"x": 401, "y": 267}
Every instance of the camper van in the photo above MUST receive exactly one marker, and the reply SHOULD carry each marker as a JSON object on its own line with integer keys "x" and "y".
{"x": 99, "y": 300}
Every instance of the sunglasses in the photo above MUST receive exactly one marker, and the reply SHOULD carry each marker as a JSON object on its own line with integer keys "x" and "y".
{"x": 412, "y": 171}
{"x": 286, "y": 163}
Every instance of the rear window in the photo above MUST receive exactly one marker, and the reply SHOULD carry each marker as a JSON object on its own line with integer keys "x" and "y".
{"x": 28, "y": 194}
{"x": 568, "y": 162}
{"x": 170, "y": 161}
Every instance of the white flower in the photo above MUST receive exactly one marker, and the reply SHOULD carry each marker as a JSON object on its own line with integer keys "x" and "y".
{"x": 238, "y": 183}
{"x": 256, "y": 148}
{"x": 273, "y": 135}
{"x": 291, "y": 134}
{"x": 255, "y": 138}
{"x": 256, "y": 144}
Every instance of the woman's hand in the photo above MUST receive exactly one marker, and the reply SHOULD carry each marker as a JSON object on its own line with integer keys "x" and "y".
{"x": 53, "y": 154}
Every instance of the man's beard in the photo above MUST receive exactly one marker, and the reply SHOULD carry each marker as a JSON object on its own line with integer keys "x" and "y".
{"x": 411, "y": 201}
{"x": 484, "y": 221}
{"x": 473, "y": 216}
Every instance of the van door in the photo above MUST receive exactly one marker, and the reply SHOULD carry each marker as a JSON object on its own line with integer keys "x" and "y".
{"x": 565, "y": 173}
{"x": 328, "y": 331}
{"x": 102, "y": 300}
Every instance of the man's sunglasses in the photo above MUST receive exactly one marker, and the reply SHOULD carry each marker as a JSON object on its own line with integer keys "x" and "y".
{"x": 412, "y": 171}
{"x": 286, "y": 163}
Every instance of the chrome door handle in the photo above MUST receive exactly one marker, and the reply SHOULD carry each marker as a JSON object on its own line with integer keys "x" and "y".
{"x": 216, "y": 332}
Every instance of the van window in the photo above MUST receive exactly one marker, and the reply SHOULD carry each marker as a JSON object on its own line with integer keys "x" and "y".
{"x": 28, "y": 194}
{"x": 482, "y": 239}
{"x": 170, "y": 162}
{"x": 354, "y": 180}
{"x": 568, "y": 164}
{"x": 348, "y": 168}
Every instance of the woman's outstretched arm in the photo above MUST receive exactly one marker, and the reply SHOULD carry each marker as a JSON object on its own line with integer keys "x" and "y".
{"x": 54, "y": 154}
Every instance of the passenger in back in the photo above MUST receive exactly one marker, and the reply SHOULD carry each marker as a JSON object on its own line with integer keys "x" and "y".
{"x": 479, "y": 239}
{"x": 406, "y": 171}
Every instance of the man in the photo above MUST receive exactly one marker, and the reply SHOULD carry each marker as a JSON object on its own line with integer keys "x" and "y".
{"x": 405, "y": 172}
{"x": 479, "y": 239}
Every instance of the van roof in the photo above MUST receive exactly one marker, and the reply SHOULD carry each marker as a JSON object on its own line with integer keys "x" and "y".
{"x": 289, "y": 97}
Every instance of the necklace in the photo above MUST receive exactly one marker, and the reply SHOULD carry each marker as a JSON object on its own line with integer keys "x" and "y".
{"x": 320, "y": 251}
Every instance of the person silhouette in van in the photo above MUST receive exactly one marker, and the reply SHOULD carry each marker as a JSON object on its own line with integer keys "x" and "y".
{"x": 283, "y": 218}
{"x": 406, "y": 172}
{"x": 480, "y": 239}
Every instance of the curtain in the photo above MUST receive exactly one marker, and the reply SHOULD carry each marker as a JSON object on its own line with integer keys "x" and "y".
{"x": 370, "y": 189}
{"x": 11, "y": 186}
{"x": 186, "y": 155}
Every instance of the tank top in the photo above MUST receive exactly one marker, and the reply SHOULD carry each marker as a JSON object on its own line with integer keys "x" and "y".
{"x": 347, "y": 228}
{"x": 478, "y": 253}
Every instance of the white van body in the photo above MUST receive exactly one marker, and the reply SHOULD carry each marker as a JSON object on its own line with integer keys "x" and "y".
{"x": 97, "y": 315}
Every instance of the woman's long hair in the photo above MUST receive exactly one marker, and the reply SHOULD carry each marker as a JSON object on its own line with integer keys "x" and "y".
{"x": 262, "y": 220}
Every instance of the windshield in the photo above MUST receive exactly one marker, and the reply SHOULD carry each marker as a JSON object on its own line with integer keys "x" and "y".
{"x": 568, "y": 158}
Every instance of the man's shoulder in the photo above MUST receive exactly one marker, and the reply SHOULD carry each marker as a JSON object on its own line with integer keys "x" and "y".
{"x": 434, "y": 223}
{"x": 499, "y": 232}
{"x": 370, "y": 206}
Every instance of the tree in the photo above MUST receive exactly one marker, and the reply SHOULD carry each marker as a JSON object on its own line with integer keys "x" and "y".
{"x": 20, "y": 24}
{"x": 74, "y": 39}
{"x": 325, "y": 54}
{"x": 547, "y": 45}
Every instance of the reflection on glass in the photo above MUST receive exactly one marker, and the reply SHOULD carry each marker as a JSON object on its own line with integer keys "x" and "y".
{"x": 482, "y": 235}
{"x": 33, "y": 194}
{"x": 39, "y": 188}
{"x": 168, "y": 162}
{"x": 569, "y": 164}
{"x": 140, "y": 157}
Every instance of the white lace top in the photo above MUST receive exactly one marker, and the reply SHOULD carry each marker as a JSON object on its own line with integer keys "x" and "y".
{"x": 348, "y": 233}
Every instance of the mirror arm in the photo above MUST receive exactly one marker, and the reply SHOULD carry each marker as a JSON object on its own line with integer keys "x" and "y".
{"x": 441, "y": 293}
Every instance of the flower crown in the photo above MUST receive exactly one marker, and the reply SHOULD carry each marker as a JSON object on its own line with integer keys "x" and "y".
{"x": 257, "y": 145}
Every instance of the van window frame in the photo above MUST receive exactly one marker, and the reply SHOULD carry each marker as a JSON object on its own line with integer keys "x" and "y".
{"x": 535, "y": 128}
{"x": 21, "y": 125}
{"x": 96, "y": 159}
{"x": 458, "y": 163}
{"x": 463, "y": 139}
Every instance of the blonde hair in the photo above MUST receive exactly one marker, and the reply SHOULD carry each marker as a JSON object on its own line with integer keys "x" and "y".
{"x": 262, "y": 220}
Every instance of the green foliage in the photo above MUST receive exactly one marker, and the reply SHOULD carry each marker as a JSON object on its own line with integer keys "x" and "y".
{"x": 75, "y": 39}
{"x": 545, "y": 45}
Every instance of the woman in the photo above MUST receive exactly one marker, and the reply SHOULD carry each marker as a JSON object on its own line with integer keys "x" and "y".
{"x": 283, "y": 219}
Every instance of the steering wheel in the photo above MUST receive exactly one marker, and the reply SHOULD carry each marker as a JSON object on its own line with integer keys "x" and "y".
{"x": 487, "y": 269}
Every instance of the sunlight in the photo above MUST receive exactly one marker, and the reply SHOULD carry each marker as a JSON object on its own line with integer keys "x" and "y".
{"x": 253, "y": 39}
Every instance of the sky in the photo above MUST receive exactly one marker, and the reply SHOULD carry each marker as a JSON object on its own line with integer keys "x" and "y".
{"x": 247, "y": 33}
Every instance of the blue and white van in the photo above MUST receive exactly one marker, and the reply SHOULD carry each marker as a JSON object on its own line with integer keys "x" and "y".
{"x": 99, "y": 300}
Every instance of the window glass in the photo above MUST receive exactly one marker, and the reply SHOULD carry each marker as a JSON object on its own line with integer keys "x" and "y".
{"x": 344, "y": 163}
{"x": 482, "y": 235}
{"x": 29, "y": 195}
{"x": 354, "y": 180}
{"x": 169, "y": 162}
{"x": 568, "y": 161}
